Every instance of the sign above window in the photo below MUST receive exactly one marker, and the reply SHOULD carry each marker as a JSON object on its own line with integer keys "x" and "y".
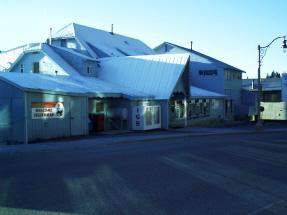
{"x": 207, "y": 72}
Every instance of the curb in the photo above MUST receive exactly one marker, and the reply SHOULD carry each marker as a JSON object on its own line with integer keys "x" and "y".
{"x": 197, "y": 135}
{"x": 108, "y": 142}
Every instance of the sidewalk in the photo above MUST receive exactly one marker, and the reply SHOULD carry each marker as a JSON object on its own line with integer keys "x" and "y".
{"x": 116, "y": 137}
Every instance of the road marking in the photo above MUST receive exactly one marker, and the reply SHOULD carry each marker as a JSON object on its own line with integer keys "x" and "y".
{"x": 106, "y": 192}
{"x": 232, "y": 184}
{"x": 19, "y": 211}
{"x": 266, "y": 207}
{"x": 274, "y": 187}
{"x": 5, "y": 186}
{"x": 274, "y": 158}
{"x": 273, "y": 143}
{"x": 279, "y": 141}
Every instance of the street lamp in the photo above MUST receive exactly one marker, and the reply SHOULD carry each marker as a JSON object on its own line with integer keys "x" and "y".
{"x": 261, "y": 54}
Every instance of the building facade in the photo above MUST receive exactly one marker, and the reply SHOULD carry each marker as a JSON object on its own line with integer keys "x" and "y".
{"x": 273, "y": 101}
{"x": 213, "y": 75}
{"x": 84, "y": 80}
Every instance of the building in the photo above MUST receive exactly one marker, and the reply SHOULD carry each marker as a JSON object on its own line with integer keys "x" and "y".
{"x": 213, "y": 75}
{"x": 85, "y": 80}
{"x": 274, "y": 99}
{"x": 98, "y": 43}
{"x": 114, "y": 93}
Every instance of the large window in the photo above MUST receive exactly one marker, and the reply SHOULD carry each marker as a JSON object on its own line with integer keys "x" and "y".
{"x": 148, "y": 116}
{"x": 152, "y": 115}
{"x": 100, "y": 106}
{"x": 232, "y": 75}
{"x": 228, "y": 92}
{"x": 36, "y": 67}
{"x": 90, "y": 69}
{"x": 228, "y": 106}
{"x": 179, "y": 110}
{"x": 198, "y": 108}
{"x": 63, "y": 42}
{"x": 156, "y": 115}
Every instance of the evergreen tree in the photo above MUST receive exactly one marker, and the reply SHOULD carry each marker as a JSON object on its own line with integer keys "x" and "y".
{"x": 274, "y": 74}
{"x": 267, "y": 76}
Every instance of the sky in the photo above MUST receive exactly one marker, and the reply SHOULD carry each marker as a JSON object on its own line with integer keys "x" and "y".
{"x": 228, "y": 30}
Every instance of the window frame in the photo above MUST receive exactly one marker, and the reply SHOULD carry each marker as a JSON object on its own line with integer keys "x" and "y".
{"x": 36, "y": 67}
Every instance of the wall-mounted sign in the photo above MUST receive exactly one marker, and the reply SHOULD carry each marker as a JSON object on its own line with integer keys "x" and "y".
{"x": 48, "y": 110}
{"x": 138, "y": 117}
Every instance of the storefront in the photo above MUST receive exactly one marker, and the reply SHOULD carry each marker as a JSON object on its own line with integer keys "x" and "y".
{"x": 146, "y": 117}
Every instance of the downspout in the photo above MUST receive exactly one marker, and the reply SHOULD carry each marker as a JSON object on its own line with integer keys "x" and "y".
{"x": 51, "y": 33}
{"x": 185, "y": 112}
{"x": 26, "y": 139}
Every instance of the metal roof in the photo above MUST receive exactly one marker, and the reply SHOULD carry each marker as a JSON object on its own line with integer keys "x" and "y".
{"x": 101, "y": 43}
{"x": 196, "y": 92}
{"x": 270, "y": 84}
{"x": 134, "y": 77}
{"x": 7, "y": 58}
{"x": 218, "y": 62}
{"x": 87, "y": 86}
{"x": 155, "y": 75}
{"x": 70, "y": 81}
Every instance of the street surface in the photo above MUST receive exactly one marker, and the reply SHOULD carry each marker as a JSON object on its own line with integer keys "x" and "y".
{"x": 215, "y": 174}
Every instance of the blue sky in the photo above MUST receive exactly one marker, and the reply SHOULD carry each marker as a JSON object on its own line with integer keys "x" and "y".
{"x": 228, "y": 30}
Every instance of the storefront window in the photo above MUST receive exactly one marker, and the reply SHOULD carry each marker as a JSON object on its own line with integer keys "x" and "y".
{"x": 198, "y": 108}
{"x": 148, "y": 116}
{"x": 179, "y": 111}
{"x": 100, "y": 106}
{"x": 152, "y": 115}
{"x": 156, "y": 115}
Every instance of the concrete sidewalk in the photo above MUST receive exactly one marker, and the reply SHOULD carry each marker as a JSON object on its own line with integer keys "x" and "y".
{"x": 114, "y": 137}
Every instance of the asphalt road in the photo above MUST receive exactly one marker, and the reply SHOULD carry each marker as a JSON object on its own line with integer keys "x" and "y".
{"x": 219, "y": 174}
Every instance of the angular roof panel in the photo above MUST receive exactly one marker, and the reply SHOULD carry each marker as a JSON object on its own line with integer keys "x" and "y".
{"x": 197, "y": 92}
{"x": 155, "y": 75}
{"x": 218, "y": 62}
{"x": 68, "y": 85}
{"x": 113, "y": 45}
{"x": 7, "y": 58}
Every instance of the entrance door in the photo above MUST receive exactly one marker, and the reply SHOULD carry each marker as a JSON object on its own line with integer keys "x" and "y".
{"x": 228, "y": 108}
{"x": 76, "y": 116}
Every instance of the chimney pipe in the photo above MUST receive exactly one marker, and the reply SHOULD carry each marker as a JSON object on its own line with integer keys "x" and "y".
{"x": 191, "y": 45}
{"x": 51, "y": 31}
{"x": 112, "y": 29}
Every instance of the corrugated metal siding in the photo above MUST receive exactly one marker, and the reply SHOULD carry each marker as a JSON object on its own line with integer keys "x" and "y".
{"x": 11, "y": 113}
{"x": 18, "y": 119}
{"x": 54, "y": 128}
{"x": 79, "y": 115}
{"x": 5, "y": 120}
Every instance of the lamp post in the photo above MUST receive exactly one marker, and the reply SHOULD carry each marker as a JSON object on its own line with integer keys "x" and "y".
{"x": 261, "y": 54}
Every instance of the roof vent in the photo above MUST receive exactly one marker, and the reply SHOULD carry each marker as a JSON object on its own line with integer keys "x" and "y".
{"x": 51, "y": 31}
{"x": 112, "y": 29}
{"x": 191, "y": 45}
